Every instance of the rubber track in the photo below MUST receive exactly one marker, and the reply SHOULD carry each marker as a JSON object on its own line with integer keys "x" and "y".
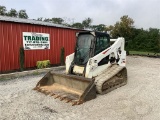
{"x": 107, "y": 75}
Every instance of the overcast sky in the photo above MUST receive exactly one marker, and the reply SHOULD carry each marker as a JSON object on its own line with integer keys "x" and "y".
{"x": 145, "y": 13}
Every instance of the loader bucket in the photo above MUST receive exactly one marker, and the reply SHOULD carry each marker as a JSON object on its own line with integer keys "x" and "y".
{"x": 70, "y": 88}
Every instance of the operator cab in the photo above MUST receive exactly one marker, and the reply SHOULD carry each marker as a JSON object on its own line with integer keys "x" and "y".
{"x": 88, "y": 45}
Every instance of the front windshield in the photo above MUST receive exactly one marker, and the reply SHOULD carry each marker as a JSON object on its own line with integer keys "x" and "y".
{"x": 83, "y": 48}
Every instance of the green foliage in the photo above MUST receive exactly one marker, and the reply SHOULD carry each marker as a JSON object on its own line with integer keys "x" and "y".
{"x": 145, "y": 40}
{"x": 57, "y": 20}
{"x": 43, "y": 64}
{"x": 77, "y": 25}
{"x": 45, "y": 20}
{"x": 3, "y": 10}
{"x": 39, "y": 64}
{"x": 62, "y": 56}
{"x": 40, "y": 19}
{"x": 46, "y": 63}
{"x": 53, "y": 20}
{"x": 136, "y": 39}
{"x": 22, "y": 14}
{"x": 100, "y": 27}
{"x": 36, "y": 73}
{"x": 21, "y": 58}
{"x": 12, "y": 13}
{"x": 87, "y": 23}
{"x": 122, "y": 28}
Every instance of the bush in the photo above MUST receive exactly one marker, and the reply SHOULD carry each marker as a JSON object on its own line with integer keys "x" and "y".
{"x": 62, "y": 56}
{"x": 43, "y": 64}
{"x": 39, "y": 64}
{"x": 21, "y": 58}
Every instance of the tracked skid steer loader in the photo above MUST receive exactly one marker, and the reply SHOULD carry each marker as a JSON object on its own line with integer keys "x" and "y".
{"x": 96, "y": 66}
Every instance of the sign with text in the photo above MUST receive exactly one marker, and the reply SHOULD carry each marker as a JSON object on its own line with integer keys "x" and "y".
{"x": 33, "y": 41}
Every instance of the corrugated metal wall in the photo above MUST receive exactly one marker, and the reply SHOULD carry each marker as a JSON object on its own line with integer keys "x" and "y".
{"x": 11, "y": 40}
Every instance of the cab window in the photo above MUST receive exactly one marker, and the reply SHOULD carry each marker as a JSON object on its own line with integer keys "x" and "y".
{"x": 102, "y": 42}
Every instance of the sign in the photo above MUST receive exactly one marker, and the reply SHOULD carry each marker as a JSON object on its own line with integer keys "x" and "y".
{"x": 33, "y": 41}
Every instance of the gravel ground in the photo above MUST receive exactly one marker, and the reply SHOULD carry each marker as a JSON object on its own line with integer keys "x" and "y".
{"x": 138, "y": 100}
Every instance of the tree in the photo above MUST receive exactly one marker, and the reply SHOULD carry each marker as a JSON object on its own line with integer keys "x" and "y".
{"x": 87, "y": 23}
{"x": 154, "y": 39}
{"x": 77, "y": 25}
{"x": 22, "y": 14}
{"x": 40, "y": 19}
{"x": 145, "y": 40}
{"x": 57, "y": 20}
{"x": 47, "y": 20}
{"x": 122, "y": 28}
{"x": 67, "y": 24}
{"x": 12, "y": 13}
{"x": 100, "y": 27}
{"x": 3, "y": 10}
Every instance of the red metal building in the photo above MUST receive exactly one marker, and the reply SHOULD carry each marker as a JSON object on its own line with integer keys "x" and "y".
{"x": 11, "y": 39}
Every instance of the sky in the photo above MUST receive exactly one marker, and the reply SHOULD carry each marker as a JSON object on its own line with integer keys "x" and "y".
{"x": 145, "y": 13}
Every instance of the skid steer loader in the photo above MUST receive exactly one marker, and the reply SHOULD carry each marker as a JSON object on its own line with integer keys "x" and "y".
{"x": 96, "y": 66}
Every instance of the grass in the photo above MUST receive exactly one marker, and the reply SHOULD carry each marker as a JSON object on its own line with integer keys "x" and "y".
{"x": 36, "y": 73}
{"x": 142, "y": 53}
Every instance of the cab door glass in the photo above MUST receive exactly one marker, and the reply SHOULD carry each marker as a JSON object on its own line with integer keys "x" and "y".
{"x": 102, "y": 42}
{"x": 83, "y": 49}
